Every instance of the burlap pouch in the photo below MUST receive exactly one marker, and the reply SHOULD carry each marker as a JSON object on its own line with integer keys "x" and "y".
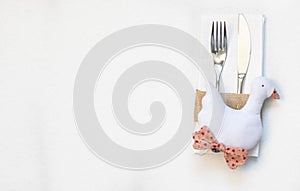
{"x": 235, "y": 101}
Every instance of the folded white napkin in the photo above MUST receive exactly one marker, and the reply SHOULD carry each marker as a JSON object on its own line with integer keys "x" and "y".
{"x": 229, "y": 74}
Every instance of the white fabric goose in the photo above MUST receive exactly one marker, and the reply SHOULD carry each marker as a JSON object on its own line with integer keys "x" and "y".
{"x": 243, "y": 128}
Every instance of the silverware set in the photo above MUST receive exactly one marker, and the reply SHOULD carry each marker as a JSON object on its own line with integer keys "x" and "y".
{"x": 219, "y": 47}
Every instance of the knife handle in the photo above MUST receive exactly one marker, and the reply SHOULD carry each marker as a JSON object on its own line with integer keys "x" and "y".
{"x": 241, "y": 78}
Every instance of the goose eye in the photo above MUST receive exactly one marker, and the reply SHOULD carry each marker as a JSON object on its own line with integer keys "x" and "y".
{"x": 262, "y": 85}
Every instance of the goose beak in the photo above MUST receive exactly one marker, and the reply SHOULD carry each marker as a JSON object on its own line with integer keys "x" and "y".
{"x": 275, "y": 95}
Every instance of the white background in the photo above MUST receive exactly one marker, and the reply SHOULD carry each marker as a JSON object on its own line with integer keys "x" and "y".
{"x": 42, "y": 44}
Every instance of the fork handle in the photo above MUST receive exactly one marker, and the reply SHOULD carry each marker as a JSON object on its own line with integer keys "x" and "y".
{"x": 241, "y": 78}
{"x": 218, "y": 82}
{"x": 218, "y": 70}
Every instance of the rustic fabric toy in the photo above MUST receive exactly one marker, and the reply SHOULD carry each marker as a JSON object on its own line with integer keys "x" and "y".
{"x": 241, "y": 129}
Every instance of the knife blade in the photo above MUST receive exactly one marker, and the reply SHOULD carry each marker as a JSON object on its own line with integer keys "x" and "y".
{"x": 244, "y": 50}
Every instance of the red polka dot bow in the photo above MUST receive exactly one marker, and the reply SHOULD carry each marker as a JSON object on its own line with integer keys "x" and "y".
{"x": 204, "y": 139}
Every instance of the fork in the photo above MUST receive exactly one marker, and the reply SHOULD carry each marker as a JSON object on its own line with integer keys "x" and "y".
{"x": 218, "y": 45}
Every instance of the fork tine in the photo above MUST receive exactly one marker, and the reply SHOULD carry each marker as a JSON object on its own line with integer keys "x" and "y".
{"x": 221, "y": 36}
{"x": 217, "y": 36}
{"x": 225, "y": 36}
{"x": 212, "y": 38}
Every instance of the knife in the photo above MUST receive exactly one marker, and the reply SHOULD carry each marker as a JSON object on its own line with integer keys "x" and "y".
{"x": 244, "y": 50}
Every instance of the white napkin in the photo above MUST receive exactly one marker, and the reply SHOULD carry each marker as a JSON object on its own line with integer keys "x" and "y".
{"x": 229, "y": 74}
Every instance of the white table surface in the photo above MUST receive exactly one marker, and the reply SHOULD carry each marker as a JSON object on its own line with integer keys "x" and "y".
{"x": 42, "y": 44}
